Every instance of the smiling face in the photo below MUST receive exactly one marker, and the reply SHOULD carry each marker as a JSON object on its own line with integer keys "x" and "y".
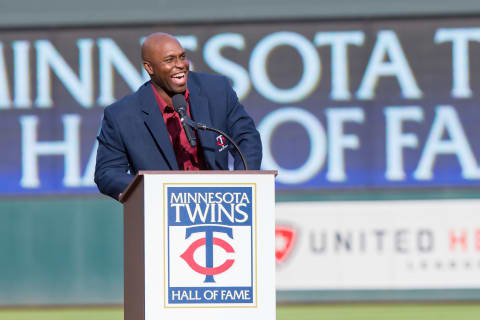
{"x": 166, "y": 62}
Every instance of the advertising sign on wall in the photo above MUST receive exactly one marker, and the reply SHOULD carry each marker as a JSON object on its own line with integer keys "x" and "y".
{"x": 379, "y": 245}
{"x": 339, "y": 104}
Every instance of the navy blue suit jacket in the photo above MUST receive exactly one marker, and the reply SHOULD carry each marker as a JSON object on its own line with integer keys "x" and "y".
{"x": 134, "y": 137}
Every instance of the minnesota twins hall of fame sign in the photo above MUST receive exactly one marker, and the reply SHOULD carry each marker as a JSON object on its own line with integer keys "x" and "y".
{"x": 210, "y": 245}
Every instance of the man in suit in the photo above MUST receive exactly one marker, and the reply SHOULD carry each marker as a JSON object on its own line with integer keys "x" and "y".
{"x": 142, "y": 132}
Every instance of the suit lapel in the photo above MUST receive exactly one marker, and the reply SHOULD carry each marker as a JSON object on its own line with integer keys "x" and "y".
{"x": 154, "y": 121}
{"x": 200, "y": 112}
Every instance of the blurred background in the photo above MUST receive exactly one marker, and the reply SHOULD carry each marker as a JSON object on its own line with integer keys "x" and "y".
{"x": 368, "y": 109}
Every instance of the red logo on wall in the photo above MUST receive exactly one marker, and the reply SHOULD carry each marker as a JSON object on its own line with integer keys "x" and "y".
{"x": 285, "y": 237}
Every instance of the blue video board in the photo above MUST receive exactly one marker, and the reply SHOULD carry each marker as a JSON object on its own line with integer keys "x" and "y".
{"x": 350, "y": 104}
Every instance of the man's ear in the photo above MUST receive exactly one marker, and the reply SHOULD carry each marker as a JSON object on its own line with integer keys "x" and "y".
{"x": 148, "y": 67}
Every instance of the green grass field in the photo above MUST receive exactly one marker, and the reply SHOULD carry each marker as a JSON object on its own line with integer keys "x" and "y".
{"x": 308, "y": 312}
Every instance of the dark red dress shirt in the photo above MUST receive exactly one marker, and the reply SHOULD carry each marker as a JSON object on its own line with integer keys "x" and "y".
{"x": 188, "y": 158}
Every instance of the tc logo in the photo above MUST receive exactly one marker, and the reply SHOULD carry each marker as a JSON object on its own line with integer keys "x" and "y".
{"x": 221, "y": 140}
{"x": 209, "y": 241}
{"x": 222, "y": 143}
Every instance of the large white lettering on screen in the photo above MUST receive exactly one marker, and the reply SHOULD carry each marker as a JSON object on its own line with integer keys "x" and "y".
{"x": 417, "y": 139}
{"x": 310, "y": 74}
{"x": 316, "y": 135}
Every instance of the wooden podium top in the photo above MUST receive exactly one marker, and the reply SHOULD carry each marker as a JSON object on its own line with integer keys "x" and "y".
{"x": 139, "y": 177}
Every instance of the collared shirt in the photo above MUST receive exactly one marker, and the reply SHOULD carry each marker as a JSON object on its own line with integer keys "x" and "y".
{"x": 188, "y": 158}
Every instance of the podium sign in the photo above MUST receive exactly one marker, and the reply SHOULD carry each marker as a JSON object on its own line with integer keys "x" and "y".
{"x": 200, "y": 245}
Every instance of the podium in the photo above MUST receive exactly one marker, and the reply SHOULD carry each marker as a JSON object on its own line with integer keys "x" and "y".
{"x": 199, "y": 245}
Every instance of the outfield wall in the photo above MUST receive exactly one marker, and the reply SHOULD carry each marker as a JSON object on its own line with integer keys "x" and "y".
{"x": 61, "y": 251}
{"x": 347, "y": 109}
{"x": 70, "y": 251}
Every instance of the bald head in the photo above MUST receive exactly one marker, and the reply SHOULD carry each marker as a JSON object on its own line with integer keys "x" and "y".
{"x": 166, "y": 62}
{"x": 153, "y": 42}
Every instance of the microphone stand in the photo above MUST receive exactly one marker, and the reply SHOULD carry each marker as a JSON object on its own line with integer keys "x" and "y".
{"x": 200, "y": 126}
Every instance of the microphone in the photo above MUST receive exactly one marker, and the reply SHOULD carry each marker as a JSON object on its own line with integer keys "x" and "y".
{"x": 180, "y": 105}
